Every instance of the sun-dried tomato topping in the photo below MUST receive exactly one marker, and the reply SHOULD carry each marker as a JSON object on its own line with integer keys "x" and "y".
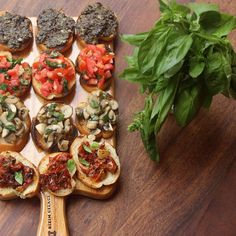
{"x": 57, "y": 176}
{"x": 8, "y": 168}
{"x": 95, "y": 165}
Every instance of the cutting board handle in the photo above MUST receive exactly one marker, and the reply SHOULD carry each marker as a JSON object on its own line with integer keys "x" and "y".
{"x": 52, "y": 216}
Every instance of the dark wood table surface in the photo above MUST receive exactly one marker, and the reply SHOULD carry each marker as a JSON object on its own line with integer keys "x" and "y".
{"x": 191, "y": 192}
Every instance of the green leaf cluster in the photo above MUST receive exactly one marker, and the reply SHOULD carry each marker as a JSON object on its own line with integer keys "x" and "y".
{"x": 180, "y": 64}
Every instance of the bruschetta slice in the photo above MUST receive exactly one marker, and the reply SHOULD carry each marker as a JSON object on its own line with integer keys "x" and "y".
{"x": 18, "y": 176}
{"x": 96, "y": 24}
{"x": 56, "y": 173}
{"x": 14, "y": 123}
{"x": 53, "y": 75}
{"x": 98, "y": 116}
{"x": 15, "y": 75}
{"x": 97, "y": 163}
{"x": 95, "y": 64}
{"x": 16, "y": 32}
{"x": 55, "y": 30}
{"x": 53, "y": 129}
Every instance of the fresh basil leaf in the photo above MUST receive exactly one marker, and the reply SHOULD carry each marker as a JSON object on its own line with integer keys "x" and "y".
{"x": 48, "y": 131}
{"x": 176, "y": 50}
{"x": 10, "y": 115}
{"x": 3, "y": 86}
{"x": 52, "y": 107}
{"x": 196, "y": 66}
{"x": 94, "y": 104}
{"x": 10, "y": 127}
{"x": 15, "y": 61}
{"x": 152, "y": 47}
{"x": 87, "y": 149}
{"x": 54, "y": 64}
{"x": 65, "y": 85}
{"x": 71, "y": 165}
{"x": 58, "y": 115}
{"x": 200, "y": 8}
{"x": 95, "y": 145}
{"x": 164, "y": 102}
{"x": 84, "y": 162}
{"x": 134, "y": 39}
{"x": 19, "y": 177}
{"x": 187, "y": 104}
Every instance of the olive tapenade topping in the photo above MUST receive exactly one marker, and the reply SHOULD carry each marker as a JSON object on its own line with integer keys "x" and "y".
{"x": 96, "y": 23}
{"x": 54, "y": 28}
{"x": 15, "y": 30}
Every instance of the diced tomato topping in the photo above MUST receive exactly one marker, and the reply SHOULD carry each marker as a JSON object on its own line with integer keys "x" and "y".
{"x": 4, "y": 64}
{"x": 52, "y": 70}
{"x": 2, "y": 78}
{"x": 96, "y": 64}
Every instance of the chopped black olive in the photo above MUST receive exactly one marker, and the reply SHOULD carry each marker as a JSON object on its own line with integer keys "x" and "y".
{"x": 96, "y": 22}
{"x": 54, "y": 28}
{"x": 14, "y": 30}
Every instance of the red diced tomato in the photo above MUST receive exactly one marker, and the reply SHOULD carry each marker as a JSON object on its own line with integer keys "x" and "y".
{"x": 46, "y": 88}
{"x": 92, "y": 81}
{"x": 57, "y": 87}
{"x": 108, "y": 67}
{"x": 108, "y": 74}
{"x": 2, "y": 78}
{"x": 101, "y": 82}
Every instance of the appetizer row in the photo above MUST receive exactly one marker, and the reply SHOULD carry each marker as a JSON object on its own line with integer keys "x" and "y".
{"x": 53, "y": 128}
{"x": 94, "y": 164}
{"x": 53, "y": 75}
{"x": 55, "y": 30}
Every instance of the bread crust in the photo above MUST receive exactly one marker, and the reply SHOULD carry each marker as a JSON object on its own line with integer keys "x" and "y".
{"x": 31, "y": 190}
{"x": 25, "y": 45}
{"x": 38, "y": 139}
{"x": 42, "y": 47}
{"x": 42, "y": 167}
{"x": 110, "y": 178}
{"x": 22, "y": 141}
{"x": 71, "y": 84}
{"x": 81, "y": 125}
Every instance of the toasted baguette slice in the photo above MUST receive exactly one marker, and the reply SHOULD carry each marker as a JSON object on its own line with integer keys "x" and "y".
{"x": 104, "y": 28}
{"x": 4, "y": 47}
{"x": 21, "y": 141}
{"x": 61, "y": 26}
{"x": 109, "y": 179}
{"x": 42, "y": 47}
{"x": 104, "y": 192}
{"x": 37, "y": 85}
{"x": 21, "y": 90}
{"x": 81, "y": 125}
{"x": 43, "y": 166}
{"x": 31, "y": 190}
{"x": 38, "y": 138}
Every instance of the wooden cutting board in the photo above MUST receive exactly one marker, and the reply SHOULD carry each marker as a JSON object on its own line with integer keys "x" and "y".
{"x": 191, "y": 192}
{"x": 52, "y": 216}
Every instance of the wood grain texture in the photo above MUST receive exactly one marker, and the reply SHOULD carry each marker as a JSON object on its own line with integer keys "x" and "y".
{"x": 191, "y": 192}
